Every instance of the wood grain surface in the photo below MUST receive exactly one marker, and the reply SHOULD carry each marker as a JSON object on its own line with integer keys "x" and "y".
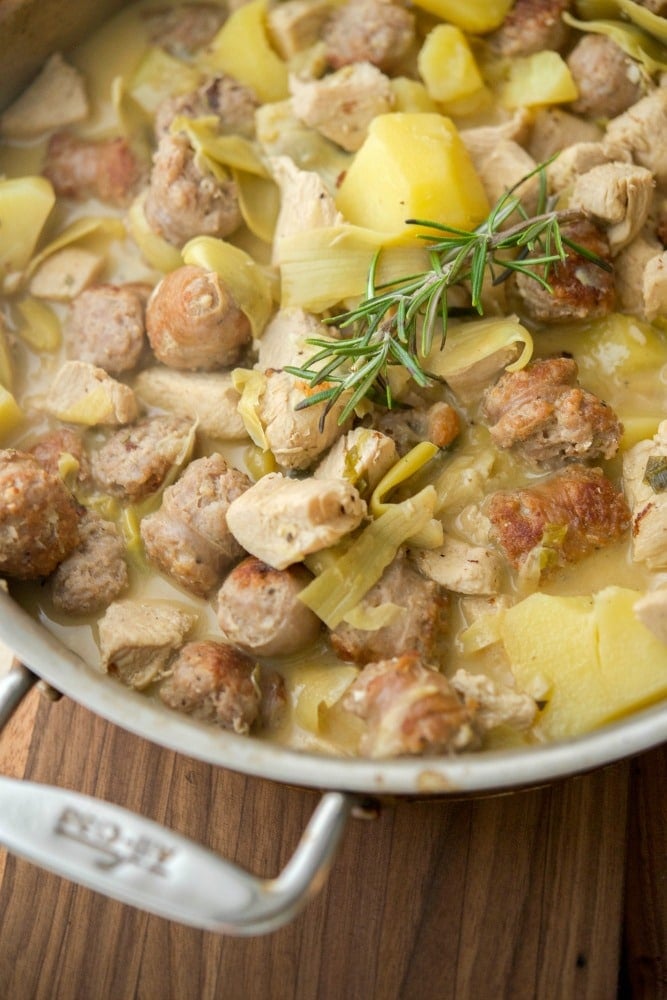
{"x": 559, "y": 892}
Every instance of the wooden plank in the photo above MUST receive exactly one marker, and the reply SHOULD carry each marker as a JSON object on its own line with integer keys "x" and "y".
{"x": 645, "y": 951}
{"x": 518, "y": 895}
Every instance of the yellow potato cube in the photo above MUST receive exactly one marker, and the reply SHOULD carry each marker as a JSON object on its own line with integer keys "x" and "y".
{"x": 536, "y": 80}
{"x": 447, "y": 66}
{"x": 245, "y": 32}
{"x": 412, "y": 166}
{"x": 411, "y": 95}
{"x": 590, "y": 655}
{"x": 475, "y": 16}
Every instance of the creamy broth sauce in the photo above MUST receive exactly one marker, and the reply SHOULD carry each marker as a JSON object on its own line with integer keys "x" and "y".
{"x": 636, "y": 387}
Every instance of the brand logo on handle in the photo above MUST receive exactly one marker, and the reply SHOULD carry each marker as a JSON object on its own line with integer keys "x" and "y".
{"x": 116, "y": 846}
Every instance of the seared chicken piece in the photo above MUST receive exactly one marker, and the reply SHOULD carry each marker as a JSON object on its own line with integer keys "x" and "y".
{"x": 82, "y": 393}
{"x": 208, "y": 399}
{"x": 461, "y": 567}
{"x": 497, "y": 705}
{"x": 281, "y": 520}
{"x": 618, "y": 196}
{"x": 362, "y": 456}
{"x": 138, "y": 638}
{"x": 644, "y": 486}
{"x": 342, "y": 105}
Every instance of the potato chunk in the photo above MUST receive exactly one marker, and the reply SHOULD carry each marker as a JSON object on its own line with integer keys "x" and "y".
{"x": 447, "y": 65}
{"x": 412, "y": 166}
{"x": 476, "y": 16}
{"x": 590, "y": 658}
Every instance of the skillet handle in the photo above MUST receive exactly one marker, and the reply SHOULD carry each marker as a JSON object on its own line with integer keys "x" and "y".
{"x": 137, "y": 861}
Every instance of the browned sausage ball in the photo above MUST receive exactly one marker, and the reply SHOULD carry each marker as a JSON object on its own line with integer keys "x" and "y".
{"x": 193, "y": 323}
{"x": 39, "y": 519}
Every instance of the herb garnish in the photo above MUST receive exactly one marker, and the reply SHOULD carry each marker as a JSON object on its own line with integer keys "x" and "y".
{"x": 395, "y": 324}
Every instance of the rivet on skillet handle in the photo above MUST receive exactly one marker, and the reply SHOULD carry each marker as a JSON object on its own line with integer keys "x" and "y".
{"x": 139, "y": 862}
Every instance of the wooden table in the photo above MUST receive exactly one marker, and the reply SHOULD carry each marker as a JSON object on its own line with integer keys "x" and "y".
{"x": 552, "y": 893}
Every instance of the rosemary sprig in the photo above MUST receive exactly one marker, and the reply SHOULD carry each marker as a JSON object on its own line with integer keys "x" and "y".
{"x": 396, "y": 323}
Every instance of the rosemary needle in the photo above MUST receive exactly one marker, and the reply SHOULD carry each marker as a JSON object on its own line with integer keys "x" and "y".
{"x": 395, "y": 324}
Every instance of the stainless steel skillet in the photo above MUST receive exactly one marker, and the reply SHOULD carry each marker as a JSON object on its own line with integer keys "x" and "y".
{"x": 134, "y": 860}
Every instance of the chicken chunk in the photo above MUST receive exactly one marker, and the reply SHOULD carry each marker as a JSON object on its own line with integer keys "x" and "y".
{"x": 138, "y": 638}
{"x": 369, "y": 31}
{"x": 39, "y": 519}
{"x": 409, "y": 709}
{"x": 232, "y": 103}
{"x": 542, "y": 413}
{"x": 107, "y": 169}
{"x": 295, "y": 25}
{"x": 481, "y": 140}
{"x": 503, "y": 167}
{"x": 618, "y": 196}
{"x": 184, "y": 201}
{"x": 213, "y": 682}
{"x": 362, "y": 456}
{"x": 607, "y": 79}
{"x": 651, "y": 610}
{"x": 419, "y": 626}
{"x": 497, "y": 705}
{"x": 554, "y": 129}
{"x": 643, "y": 483}
{"x": 655, "y": 287}
{"x": 193, "y": 322}
{"x": 188, "y": 538}
{"x": 183, "y": 28}
{"x": 578, "y": 159}
{"x": 208, "y": 399}
{"x": 305, "y": 202}
{"x": 55, "y": 98}
{"x": 572, "y": 513}
{"x": 81, "y": 393}
{"x": 281, "y": 520}
{"x": 638, "y": 286}
{"x": 296, "y": 437}
{"x": 259, "y": 610}
{"x": 641, "y": 130}
{"x": 342, "y": 105}
{"x": 460, "y": 567}
{"x": 285, "y": 338}
{"x": 580, "y": 288}
{"x": 134, "y": 461}
{"x": 529, "y": 27}
{"x": 95, "y": 573}
{"x": 106, "y": 326}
